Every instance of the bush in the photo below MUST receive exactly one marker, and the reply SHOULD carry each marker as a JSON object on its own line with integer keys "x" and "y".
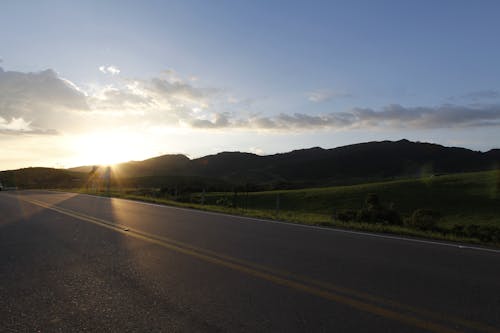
{"x": 484, "y": 233}
{"x": 346, "y": 215}
{"x": 425, "y": 219}
{"x": 372, "y": 201}
{"x": 184, "y": 197}
{"x": 379, "y": 215}
{"x": 458, "y": 229}
{"x": 489, "y": 234}
{"x": 224, "y": 201}
{"x": 375, "y": 212}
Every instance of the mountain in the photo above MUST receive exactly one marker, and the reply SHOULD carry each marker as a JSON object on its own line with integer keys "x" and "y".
{"x": 364, "y": 162}
{"x": 372, "y": 159}
{"x": 42, "y": 178}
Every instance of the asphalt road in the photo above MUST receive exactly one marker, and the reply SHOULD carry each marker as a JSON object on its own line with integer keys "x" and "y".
{"x": 72, "y": 263}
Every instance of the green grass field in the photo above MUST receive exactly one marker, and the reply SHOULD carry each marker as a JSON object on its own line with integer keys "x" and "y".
{"x": 462, "y": 199}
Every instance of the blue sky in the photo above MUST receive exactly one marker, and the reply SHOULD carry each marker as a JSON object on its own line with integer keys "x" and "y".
{"x": 198, "y": 77}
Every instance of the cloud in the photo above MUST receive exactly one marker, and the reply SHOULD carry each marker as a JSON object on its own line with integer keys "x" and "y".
{"x": 44, "y": 103}
{"x": 391, "y": 117}
{"x": 155, "y": 92}
{"x": 256, "y": 150}
{"x": 319, "y": 96}
{"x": 179, "y": 90}
{"x": 444, "y": 116}
{"x": 39, "y": 98}
{"x": 119, "y": 99}
{"x": 18, "y": 126}
{"x": 113, "y": 70}
{"x": 220, "y": 120}
{"x": 159, "y": 100}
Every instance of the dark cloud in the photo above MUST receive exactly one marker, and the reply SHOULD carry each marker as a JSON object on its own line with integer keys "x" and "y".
{"x": 445, "y": 116}
{"x": 391, "y": 117}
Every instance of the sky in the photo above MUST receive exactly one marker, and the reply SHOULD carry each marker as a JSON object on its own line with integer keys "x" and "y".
{"x": 98, "y": 82}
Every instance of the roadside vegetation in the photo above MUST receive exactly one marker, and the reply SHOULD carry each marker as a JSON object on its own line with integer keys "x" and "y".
{"x": 459, "y": 207}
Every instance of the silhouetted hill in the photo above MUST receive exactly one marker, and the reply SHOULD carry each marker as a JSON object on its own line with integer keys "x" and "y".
{"x": 42, "y": 178}
{"x": 353, "y": 163}
{"x": 364, "y": 162}
{"x": 174, "y": 164}
{"x": 316, "y": 166}
{"x": 153, "y": 166}
{"x": 494, "y": 155}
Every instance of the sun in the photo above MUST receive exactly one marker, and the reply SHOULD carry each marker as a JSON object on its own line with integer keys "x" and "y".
{"x": 105, "y": 148}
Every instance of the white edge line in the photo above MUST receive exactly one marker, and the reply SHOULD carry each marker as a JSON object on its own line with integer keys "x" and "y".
{"x": 331, "y": 229}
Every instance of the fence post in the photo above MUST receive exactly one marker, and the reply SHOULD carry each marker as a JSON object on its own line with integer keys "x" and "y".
{"x": 277, "y": 204}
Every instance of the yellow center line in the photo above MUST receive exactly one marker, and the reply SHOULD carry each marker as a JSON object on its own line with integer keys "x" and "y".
{"x": 306, "y": 285}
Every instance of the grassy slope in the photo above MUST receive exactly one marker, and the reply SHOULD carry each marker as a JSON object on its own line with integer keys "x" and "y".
{"x": 469, "y": 198}
{"x": 461, "y": 198}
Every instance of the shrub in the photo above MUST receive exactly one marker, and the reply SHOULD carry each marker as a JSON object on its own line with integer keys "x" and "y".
{"x": 224, "y": 201}
{"x": 379, "y": 215}
{"x": 424, "y": 219}
{"x": 346, "y": 215}
{"x": 375, "y": 212}
{"x": 184, "y": 197}
{"x": 393, "y": 217}
{"x": 482, "y": 232}
{"x": 458, "y": 229}
{"x": 489, "y": 234}
{"x": 372, "y": 200}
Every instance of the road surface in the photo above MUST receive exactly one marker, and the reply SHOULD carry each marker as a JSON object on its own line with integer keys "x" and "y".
{"x": 73, "y": 262}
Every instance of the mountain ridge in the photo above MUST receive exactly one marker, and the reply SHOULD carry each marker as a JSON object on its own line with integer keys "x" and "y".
{"x": 316, "y": 166}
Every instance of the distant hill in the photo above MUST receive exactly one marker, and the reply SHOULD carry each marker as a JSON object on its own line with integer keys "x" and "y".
{"x": 358, "y": 163}
{"x": 372, "y": 160}
{"x": 42, "y": 178}
{"x": 316, "y": 166}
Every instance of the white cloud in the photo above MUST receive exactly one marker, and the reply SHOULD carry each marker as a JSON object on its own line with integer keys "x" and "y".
{"x": 15, "y": 124}
{"x": 219, "y": 120}
{"x": 20, "y": 126}
{"x": 256, "y": 150}
{"x": 324, "y": 95}
{"x": 40, "y": 99}
{"x": 43, "y": 103}
{"x": 110, "y": 69}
